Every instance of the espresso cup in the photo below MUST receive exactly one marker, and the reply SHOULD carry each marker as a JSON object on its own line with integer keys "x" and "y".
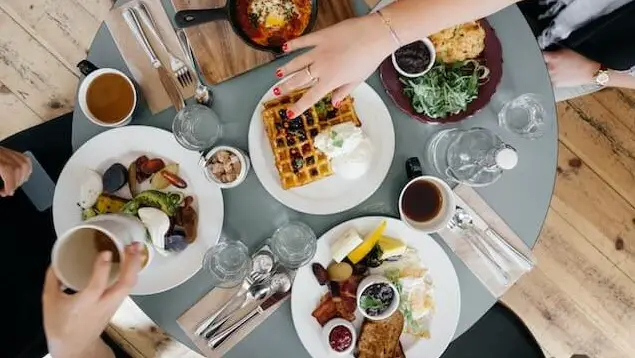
{"x": 426, "y": 203}
{"x": 74, "y": 253}
{"x": 118, "y": 99}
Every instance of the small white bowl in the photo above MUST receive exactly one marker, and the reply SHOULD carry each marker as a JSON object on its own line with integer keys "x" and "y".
{"x": 369, "y": 281}
{"x": 433, "y": 58}
{"x": 326, "y": 331}
{"x": 245, "y": 164}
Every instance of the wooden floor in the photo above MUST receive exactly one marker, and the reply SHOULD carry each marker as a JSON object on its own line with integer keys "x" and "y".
{"x": 579, "y": 300}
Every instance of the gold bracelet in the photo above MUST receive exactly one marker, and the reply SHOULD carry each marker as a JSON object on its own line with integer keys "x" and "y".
{"x": 386, "y": 21}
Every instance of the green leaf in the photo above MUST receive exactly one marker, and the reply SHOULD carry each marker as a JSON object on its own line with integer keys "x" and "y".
{"x": 367, "y": 302}
{"x": 445, "y": 89}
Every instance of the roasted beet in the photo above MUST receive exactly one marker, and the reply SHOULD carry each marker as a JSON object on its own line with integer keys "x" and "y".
{"x": 152, "y": 166}
{"x": 114, "y": 178}
{"x": 321, "y": 275}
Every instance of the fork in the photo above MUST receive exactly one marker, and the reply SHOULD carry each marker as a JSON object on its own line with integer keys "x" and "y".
{"x": 179, "y": 68}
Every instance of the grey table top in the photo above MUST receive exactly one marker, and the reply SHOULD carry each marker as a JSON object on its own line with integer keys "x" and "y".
{"x": 521, "y": 196}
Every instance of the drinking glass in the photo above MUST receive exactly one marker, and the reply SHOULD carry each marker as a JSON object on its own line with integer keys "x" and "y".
{"x": 294, "y": 244}
{"x": 524, "y": 116}
{"x": 228, "y": 262}
{"x": 196, "y": 127}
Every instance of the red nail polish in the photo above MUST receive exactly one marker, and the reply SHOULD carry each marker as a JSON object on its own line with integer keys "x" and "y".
{"x": 276, "y": 91}
{"x": 285, "y": 47}
{"x": 290, "y": 114}
{"x": 279, "y": 73}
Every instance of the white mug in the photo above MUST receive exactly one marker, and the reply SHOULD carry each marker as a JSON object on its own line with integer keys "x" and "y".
{"x": 448, "y": 203}
{"x": 74, "y": 253}
{"x": 92, "y": 72}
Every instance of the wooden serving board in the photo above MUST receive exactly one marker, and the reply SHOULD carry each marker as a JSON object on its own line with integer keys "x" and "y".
{"x": 221, "y": 55}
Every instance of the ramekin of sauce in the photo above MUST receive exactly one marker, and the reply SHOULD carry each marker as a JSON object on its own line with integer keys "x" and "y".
{"x": 414, "y": 59}
{"x": 339, "y": 336}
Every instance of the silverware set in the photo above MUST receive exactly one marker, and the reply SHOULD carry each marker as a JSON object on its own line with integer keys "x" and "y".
{"x": 180, "y": 71}
{"x": 265, "y": 280}
{"x": 489, "y": 243}
{"x": 178, "y": 67}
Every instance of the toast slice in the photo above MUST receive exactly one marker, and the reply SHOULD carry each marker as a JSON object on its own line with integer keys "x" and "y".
{"x": 380, "y": 339}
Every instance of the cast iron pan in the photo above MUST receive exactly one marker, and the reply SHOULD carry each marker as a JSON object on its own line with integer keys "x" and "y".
{"x": 492, "y": 57}
{"x": 187, "y": 18}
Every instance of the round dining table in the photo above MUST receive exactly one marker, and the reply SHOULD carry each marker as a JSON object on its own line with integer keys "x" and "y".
{"x": 521, "y": 197}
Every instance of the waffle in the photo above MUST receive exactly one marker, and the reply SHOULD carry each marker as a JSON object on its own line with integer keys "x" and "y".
{"x": 297, "y": 160}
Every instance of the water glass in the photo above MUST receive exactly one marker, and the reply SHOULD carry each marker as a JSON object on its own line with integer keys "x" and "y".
{"x": 228, "y": 262}
{"x": 294, "y": 244}
{"x": 524, "y": 116}
{"x": 196, "y": 127}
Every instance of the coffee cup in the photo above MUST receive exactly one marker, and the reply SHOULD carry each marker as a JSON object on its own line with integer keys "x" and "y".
{"x": 107, "y": 97}
{"x": 426, "y": 203}
{"x": 74, "y": 252}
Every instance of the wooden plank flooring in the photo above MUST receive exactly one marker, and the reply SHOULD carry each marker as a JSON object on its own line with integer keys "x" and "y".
{"x": 579, "y": 300}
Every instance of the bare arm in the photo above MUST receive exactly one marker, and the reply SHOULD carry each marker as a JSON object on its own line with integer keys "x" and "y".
{"x": 414, "y": 19}
{"x": 344, "y": 55}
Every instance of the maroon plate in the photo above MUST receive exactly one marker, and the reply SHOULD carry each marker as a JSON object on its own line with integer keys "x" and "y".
{"x": 492, "y": 57}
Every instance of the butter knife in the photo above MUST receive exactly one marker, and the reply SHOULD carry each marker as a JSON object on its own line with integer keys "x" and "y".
{"x": 223, "y": 335}
{"x": 133, "y": 23}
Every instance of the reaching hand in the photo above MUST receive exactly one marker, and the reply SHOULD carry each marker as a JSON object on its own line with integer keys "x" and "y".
{"x": 342, "y": 57}
{"x": 73, "y": 323}
{"x": 15, "y": 169}
{"x": 568, "y": 68}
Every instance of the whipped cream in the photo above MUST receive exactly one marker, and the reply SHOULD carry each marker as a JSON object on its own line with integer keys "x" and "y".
{"x": 349, "y": 150}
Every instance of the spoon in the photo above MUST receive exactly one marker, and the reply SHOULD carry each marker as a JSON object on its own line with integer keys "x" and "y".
{"x": 256, "y": 292}
{"x": 280, "y": 283}
{"x": 202, "y": 94}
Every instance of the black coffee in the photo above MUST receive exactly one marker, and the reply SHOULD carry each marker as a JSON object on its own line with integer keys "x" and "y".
{"x": 422, "y": 201}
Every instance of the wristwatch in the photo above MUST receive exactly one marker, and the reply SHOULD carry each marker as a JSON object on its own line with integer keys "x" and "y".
{"x": 602, "y": 76}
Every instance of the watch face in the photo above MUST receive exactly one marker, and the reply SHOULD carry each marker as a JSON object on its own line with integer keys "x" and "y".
{"x": 602, "y": 78}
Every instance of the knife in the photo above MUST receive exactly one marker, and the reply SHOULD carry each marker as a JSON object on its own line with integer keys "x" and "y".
{"x": 222, "y": 336}
{"x": 132, "y": 20}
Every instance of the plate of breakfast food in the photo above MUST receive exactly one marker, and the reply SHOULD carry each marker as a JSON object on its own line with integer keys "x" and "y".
{"x": 376, "y": 285}
{"x": 143, "y": 173}
{"x": 451, "y": 84}
{"x": 326, "y": 160}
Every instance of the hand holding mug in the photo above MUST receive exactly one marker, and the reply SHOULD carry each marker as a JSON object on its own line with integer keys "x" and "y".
{"x": 73, "y": 323}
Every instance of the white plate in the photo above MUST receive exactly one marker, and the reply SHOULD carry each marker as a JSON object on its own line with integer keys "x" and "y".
{"x": 333, "y": 194}
{"x": 123, "y": 145}
{"x": 306, "y": 292}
